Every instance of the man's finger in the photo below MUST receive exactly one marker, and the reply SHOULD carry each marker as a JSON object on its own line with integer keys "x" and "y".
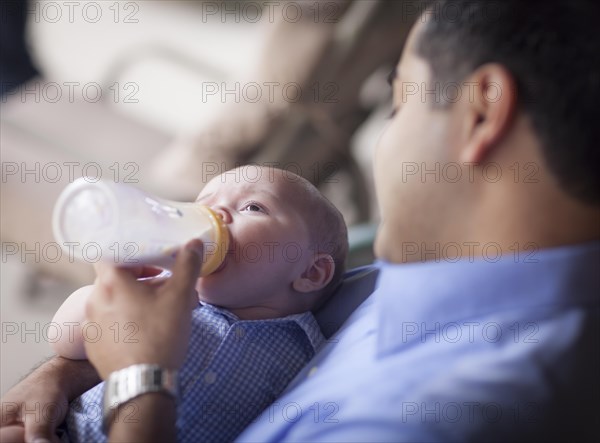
{"x": 36, "y": 430}
{"x": 112, "y": 277}
{"x": 149, "y": 272}
{"x": 13, "y": 433}
{"x": 10, "y": 413}
{"x": 186, "y": 269}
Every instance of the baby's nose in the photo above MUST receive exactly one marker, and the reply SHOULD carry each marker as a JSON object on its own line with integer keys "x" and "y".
{"x": 223, "y": 213}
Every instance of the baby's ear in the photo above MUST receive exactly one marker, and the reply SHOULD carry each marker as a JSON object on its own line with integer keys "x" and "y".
{"x": 318, "y": 274}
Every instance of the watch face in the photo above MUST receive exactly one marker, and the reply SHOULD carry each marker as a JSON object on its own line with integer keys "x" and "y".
{"x": 133, "y": 381}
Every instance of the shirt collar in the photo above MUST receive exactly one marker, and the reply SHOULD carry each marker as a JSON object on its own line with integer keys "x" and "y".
{"x": 309, "y": 325}
{"x": 305, "y": 320}
{"x": 429, "y": 293}
{"x": 230, "y": 316}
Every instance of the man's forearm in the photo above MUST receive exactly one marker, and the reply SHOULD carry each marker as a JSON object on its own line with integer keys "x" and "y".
{"x": 148, "y": 418}
{"x": 74, "y": 377}
{"x": 50, "y": 387}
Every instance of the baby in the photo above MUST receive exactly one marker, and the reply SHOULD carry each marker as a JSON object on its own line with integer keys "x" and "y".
{"x": 252, "y": 330}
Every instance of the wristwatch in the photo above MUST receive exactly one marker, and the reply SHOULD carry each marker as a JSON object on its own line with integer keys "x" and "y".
{"x": 133, "y": 381}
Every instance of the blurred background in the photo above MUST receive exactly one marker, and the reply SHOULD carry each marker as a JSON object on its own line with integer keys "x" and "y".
{"x": 164, "y": 95}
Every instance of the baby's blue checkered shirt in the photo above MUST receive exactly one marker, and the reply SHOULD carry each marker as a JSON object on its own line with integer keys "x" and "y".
{"x": 233, "y": 370}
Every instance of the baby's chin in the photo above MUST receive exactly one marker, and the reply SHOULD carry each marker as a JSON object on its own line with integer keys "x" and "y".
{"x": 208, "y": 284}
{"x": 204, "y": 298}
{"x": 208, "y": 293}
{"x": 213, "y": 301}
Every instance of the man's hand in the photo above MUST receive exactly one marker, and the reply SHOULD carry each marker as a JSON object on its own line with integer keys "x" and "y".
{"x": 34, "y": 408}
{"x": 139, "y": 322}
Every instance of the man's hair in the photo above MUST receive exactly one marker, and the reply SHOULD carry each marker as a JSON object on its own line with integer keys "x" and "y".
{"x": 551, "y": 49}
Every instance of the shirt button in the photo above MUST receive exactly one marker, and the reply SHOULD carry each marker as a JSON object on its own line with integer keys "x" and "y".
{"x": 312, "y": 371}
{"x": 210, "y": 377}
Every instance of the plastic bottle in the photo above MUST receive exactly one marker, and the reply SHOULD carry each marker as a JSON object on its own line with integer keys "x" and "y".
{"x": 102, "y": 220}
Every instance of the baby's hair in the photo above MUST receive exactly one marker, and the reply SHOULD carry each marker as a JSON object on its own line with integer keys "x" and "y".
{"x": 329, "y": 234}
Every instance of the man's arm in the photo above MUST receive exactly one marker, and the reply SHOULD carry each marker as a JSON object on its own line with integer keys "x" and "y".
{"x": 39, "y": 402}
{"x": 161, "y": 315}
{"x": 150, "y": 417}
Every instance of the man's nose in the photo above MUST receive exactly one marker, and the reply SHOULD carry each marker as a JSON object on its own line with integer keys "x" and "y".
{"x": 223, "y": 213}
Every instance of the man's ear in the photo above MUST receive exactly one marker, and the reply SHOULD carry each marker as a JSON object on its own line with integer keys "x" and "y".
{"x": 318, "y": 274}
{"x": 490, "y": 110}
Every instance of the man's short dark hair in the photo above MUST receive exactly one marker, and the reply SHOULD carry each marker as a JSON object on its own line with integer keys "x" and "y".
{"x": 551, "y": 48}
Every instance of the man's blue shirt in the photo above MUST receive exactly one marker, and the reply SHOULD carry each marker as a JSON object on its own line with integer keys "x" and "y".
{"x": 472, "y": 350}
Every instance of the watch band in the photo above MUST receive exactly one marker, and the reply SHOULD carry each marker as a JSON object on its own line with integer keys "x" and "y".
{"x": 133, "y": 381}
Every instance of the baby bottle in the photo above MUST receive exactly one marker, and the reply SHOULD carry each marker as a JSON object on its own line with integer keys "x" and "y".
{"x": 103, "y": 220}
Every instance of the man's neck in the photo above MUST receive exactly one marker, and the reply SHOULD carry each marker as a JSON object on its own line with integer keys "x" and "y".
{"x": 503, "y": 221}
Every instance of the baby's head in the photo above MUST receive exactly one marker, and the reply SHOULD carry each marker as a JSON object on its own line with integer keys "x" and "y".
{"x": 288, "y": 243}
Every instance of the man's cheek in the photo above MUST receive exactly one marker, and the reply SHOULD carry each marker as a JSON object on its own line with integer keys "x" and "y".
{"x": 385, "y": 168}
{"x": 378, "y": 172}
{"x": 382, "y": 240}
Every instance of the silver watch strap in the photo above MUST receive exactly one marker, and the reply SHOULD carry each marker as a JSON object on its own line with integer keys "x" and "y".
{"x": 133, "y": 381}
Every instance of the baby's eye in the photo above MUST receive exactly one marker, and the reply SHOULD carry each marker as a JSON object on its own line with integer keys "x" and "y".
{"x": 253, "y": 207}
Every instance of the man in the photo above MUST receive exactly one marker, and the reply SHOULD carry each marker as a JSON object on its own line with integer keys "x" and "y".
{"x": 485, "y": 322}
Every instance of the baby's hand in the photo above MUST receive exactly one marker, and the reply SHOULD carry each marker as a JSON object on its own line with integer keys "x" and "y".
{"x": 70, "y": 319}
